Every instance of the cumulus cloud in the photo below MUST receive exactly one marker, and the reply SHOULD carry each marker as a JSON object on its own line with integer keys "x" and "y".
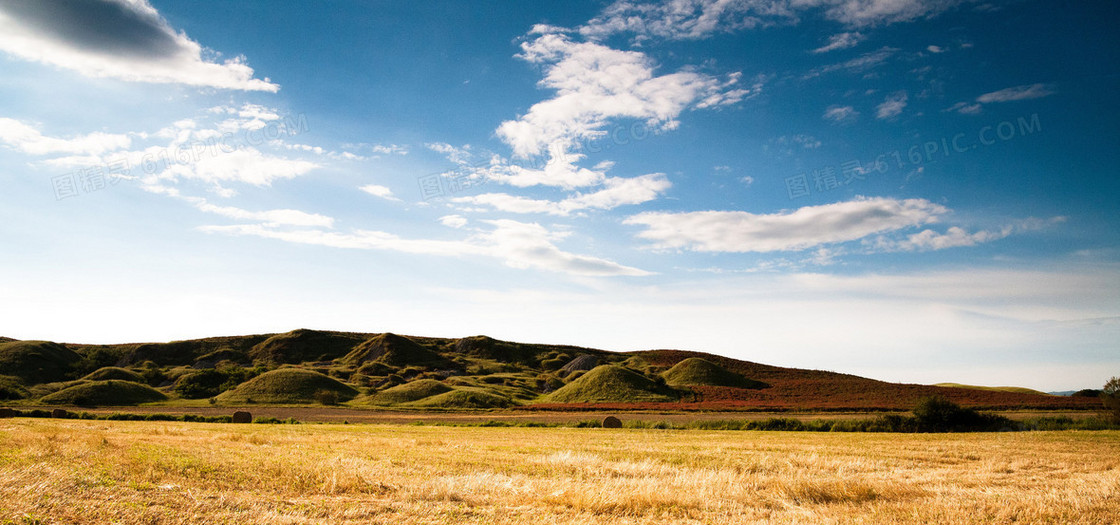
{"x": 807, "y": 227}
{"x": 892, "y": 106}
{"x": 594, "y": 84}
{"x": 123, "y": 39}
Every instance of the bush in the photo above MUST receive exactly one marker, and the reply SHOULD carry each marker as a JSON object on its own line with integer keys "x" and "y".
{"x": 937, "y": 414}
{"x": 1110, "y": 395}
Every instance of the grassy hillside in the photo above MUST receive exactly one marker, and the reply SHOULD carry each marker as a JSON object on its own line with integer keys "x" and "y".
{"x": 695, "y": 371}
{"x": 104, "y": 393}
{"x": 289, "y": 386}
{"x": 37, "y": 361}
{"x": 1015, "y": 389}
{"x": 613, "y": 384}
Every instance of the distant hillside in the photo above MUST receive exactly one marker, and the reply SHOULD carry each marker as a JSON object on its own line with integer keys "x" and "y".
{"x": 1019, "y": 389}
{"x": 478, "y": 372}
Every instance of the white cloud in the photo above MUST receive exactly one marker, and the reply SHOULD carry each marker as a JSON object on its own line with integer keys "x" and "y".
{"x": 807, "y": 227}
{"x": 1011, "y": 94}
{"x": 841, "y": 41}
{"x": 530, "y": 245}
{"x": 247, "y": 165}
{"x": 935, "y": 49}
{"x": 930, "y": 240}
{"x": 123, "y": 39}
{"x": 27, "y": 139}
{"x": 695, "y": 19}
{"x": 840, "y": 114}
{"x": 560, "y": 171}
{"x": 517, "y": 244}
{"x": 594, "y": 84}
{"x": 683, "y": 19}
{"x": 379, "y": 191}
{"x": 616, "y": 192}
{"x": 269, "y": 218}
{"x": 892, "y": 106}
{"x": 787, "y": 144}
{"x": 860, "y": 64}
{"x": 453, "y": 221}
{"x": 865, "y": 13}
{"x": 965, "y": 108}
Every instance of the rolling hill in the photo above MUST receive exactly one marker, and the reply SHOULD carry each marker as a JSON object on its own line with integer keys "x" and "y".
{"x": 478, "y": 372}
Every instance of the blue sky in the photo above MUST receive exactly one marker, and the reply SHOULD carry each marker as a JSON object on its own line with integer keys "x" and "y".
{"x": 910, "y": 190}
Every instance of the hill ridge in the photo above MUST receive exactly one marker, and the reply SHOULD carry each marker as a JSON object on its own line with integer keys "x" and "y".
{"x": 525, "y": 373}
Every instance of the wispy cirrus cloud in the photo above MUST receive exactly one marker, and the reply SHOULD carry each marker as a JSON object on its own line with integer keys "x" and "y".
{"x": 840, "y": 114}
{"x": 841, "y": 41}
{"x": 26, "y": 138}
{"x": 517, "y": 244}
{"x": 696, "y": 19}
{"x": 955, "y": 236}
{"x": 123, "y": 39}
{"x": 1011, "y": 94}
{"x": 616, "y": 191}
{"x": 860, "y": 64}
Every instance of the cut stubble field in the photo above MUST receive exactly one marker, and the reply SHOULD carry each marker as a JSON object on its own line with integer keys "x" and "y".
{"x": 77, "y": 471}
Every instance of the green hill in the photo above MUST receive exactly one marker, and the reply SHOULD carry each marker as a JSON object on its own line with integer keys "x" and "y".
{"x": 701, "y": 372}
{"x": 299, "y": 346}
{"x": 37, "y": 361}
{"x": 1015, "y": 389}
{"x": 395, "y": 351}
{"x": 114, "y": 372}
{"x": 463, "y": 398}
{"x": 612, "y": 384}
{"x": 104, "y": 393}
{"x": 408, "y": 392}
{"x": 288, "y": 386}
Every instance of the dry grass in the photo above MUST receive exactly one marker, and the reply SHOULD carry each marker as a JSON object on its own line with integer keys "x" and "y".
{"x": 73, "y": 471}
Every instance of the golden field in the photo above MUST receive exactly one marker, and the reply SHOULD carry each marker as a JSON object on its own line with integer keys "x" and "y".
{"x": 77, "y": 471}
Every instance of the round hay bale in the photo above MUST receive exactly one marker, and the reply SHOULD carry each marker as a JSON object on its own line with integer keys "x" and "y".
{"x": 242, "y": 417}
{"x": 59, "y": 413}
{"x": 6, "y": 413}
{"x": 612, "y": 422}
